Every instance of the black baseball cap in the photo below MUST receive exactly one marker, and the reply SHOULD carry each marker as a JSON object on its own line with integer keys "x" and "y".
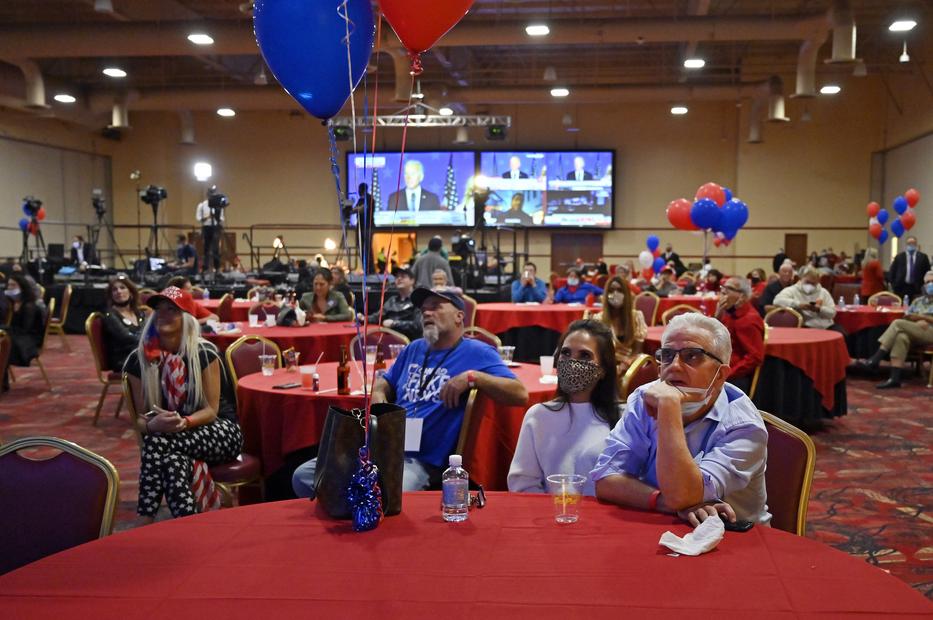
{"x": 421, "y": 294}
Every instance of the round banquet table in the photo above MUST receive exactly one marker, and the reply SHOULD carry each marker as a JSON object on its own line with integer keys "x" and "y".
{"x": 309, "y": 340}
{"x": 533, "y": 329}
{"x": 239, "y": 311}
{"x": 864, "y": 324}
{"x": 288, "y": 560}
{"x": 276, "y": 423}
{"x": 706, "y": 304}
{"x": 803, "y": 379}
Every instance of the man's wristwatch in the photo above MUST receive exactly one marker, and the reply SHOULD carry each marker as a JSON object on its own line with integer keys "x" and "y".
{"x": 471, "y": 379}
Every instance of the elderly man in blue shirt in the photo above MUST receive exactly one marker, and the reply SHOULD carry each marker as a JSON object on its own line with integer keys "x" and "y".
{"x": 576, "y": 290}
{"x": 689, "y": 443}
{"x": 529, "y": 288}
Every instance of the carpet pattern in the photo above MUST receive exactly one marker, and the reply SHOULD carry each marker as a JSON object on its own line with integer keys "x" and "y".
{"x": 871, "y": 494}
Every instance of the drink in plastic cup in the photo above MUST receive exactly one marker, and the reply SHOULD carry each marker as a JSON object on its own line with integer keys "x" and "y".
{"x": 307, "y": 375}
{"x": 270, "y": 320}
{"x": 547, "y": 365}
{"x": 567, "y": 493}
{"x": 254, "y": 320}
{"x": 371, "y": 354}
{"x": 395, "y": 349}
{"x": 506, "y": 353}
{"x": 268, "y": 364}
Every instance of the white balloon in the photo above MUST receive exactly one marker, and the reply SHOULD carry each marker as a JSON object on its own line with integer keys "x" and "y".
{"x": 645, "y": 259}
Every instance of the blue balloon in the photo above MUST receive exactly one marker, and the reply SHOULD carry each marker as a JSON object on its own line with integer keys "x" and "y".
{"x": 659, "y": 264}
{"x": 727, "y": 192}
{"x": 303, "y": 43}
{"x": 882, "y": 217}
{"x": 900, "y": 205}
{"x": 897, "y": 228}
{"x": 730, "y": 233}
{"x": 23, "y": 224}
{"x": 705, "y": 214}
{"x": 734, "y": 215}
{"x": 652, "y": 242}
{"x": 883, "y": 237}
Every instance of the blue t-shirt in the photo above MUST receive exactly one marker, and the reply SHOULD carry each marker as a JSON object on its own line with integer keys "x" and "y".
{"x": 441, "y": 425}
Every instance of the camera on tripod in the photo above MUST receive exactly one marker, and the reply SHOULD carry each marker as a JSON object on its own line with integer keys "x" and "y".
{"x": 153, "y": 195}
{"x": 217, "y": 200}
{"x": 99, "y": 202}
{"x": 31, "y": 206}
{"x": 463, "y": 245}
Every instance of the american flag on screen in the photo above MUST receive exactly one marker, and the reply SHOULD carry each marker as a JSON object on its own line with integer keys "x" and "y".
{"x": 450, "y": 188}
{"x": 377, "y": 193}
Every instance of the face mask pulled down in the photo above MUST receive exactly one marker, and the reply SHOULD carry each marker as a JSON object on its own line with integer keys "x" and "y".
{"x": 575, "y": 376}
{"x": 690, "y": 407}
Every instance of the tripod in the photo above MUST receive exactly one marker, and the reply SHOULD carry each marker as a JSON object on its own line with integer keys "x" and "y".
{"x": 93, "y": 235}
{"x": 153, "y": 243}
{"x": 39, "y": 250}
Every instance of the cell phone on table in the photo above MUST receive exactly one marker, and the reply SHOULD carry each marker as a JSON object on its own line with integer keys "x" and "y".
{"x": 286, "y": 386}
{"x": 737, "y": 526}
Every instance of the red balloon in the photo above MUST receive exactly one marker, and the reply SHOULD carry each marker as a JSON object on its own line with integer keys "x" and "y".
{"x": 875, "y": 230}
{"x": 33, "y": 228}
{"x": 873, "y": 208}
{"x": 908, "y": 219}
{"x": 713, "y": 191}
{"x": 647, "y": 273}
{"x": 717, "y": 241}
{"x": 912, "y": 196}
{"x": 657, "y": 252}
{"x": 419, "y": 24}
{"x": 678, "y": 214}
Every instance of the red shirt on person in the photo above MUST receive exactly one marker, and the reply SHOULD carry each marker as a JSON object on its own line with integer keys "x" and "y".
{"x": 872, "y": 279}
{"x": 747, "y": 330}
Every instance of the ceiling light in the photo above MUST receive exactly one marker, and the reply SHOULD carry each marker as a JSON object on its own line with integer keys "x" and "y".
{"x": 199, "y": 38}
{"x": 114, "y": 72}
{"x": 330, "y": 245}
{"x": 64, "y": 98}
{"x": 203, "y": 171}
{"x": 446, "y": 111}
{"x": 261, "y": 79}
{"x": 537, "y": 30}
{"x": 830, "y": 89}
{"x": 463, "y": 137}
{"x": 550, "y": 74}
{"x": 905, "y": 57}
{"x": 560, "y": 92}
{"x": 679, "y": 110}
{"x": 226, "y": 112}
{"x": 902, "y": 25}
{"x": 694, "y": 63}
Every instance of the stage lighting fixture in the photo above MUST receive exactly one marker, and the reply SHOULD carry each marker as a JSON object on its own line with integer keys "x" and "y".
{"x": 343, "y": 133}
{"x": 904, "y": 57}
{"x": 203, "y": 171}
{"x": 446, "y": 111}
{"x": 496, "y": 132}
{"x": 330, "y": 245}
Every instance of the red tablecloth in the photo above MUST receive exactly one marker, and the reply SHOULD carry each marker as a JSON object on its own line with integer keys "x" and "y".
{"x": 706, "y": 304}
{"x": 509, "y": 560}
{"x": 309, "y": 340}
{"x": 240, "y": 309}
{"x": 277, "y": 422}
{"x": 501, "y": 317}
{"x": 820, "y": 354}
{"x": 857, "y": 318}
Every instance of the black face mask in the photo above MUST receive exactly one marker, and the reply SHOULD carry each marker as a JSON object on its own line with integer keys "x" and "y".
{"x": 756, "y": 280}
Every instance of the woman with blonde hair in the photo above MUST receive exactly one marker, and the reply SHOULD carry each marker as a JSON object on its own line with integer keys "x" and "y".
{"x": 626, "y": 322}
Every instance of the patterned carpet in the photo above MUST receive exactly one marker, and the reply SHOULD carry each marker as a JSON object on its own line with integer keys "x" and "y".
{"x": 871, "y": 495}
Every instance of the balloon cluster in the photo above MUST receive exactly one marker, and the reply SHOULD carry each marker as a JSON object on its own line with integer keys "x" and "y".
{"x": 34, "y": 212}
{"x": 905, "y": 220}
{"x": 713, "y": 209}
{"x": 650, "y": 260}
{"x": 364, "y": 496}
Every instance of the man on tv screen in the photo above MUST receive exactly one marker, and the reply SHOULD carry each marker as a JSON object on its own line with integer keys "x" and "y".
{"x": 414, "y": 197}
{"x": 515, "y": 169}
{"x": 579, "y": 174}
{"x": 515, "y": 216}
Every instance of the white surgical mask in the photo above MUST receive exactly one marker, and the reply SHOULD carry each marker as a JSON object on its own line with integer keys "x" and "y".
{"x": 572, "y": 282}
{"x": 688, "y": 408}
{"x": 76, "y": 245}
{"x": 807, "y": 288}
{"x": 928, "y": 288}
{"x": 616, "y": 300}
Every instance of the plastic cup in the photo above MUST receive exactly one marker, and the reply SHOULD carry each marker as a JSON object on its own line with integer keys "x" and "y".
{"x": 567, "y": 494}
{"x": 547, "y": 365}
{"x": 307, "y": 375}
{"x": 371, "y": 350}
{"x": 254, "y": 320}
{"x": 270, "y": 320}
{"x": 268, "y": 364}
{"x": 506, "y": 353}
{"x": 395, "y": 349}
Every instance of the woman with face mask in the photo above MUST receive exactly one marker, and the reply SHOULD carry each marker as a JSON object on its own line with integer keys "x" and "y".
{"x": 577, "y": 289}
{"x": 625, "y": 321}
{"x": 567, "y": 434}
{"x": 26, "y": 326}
{"x": 123, "y": 321}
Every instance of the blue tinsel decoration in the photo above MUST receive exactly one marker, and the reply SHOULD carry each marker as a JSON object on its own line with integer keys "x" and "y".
{"x": 364, "y": 495}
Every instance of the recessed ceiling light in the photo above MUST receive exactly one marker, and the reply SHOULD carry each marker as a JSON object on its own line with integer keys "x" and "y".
{"x": 64, "y": 98}
{"x": 226, "y": 112}
{"x": 902, "y": 25}
{"x": 446, "y": 111}
{"x": 679, "y": 110}
{"x": 830, "y": 89}
{"x": 199, "y": 38}
{"x": 114, "y": 72}
{"x": 694, "y": 63}
{"x": 203, "y": 171}
{"x": 537, "y": 30}
{"x": 560, "y": 92}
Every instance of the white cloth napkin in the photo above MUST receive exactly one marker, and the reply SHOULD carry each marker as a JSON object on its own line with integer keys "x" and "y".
{"x": 702, "y": 539}
{"x": 548, "y": 379}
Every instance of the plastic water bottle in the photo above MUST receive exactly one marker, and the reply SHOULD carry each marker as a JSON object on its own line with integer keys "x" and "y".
{"x": 906, "y": 303}
{"x": 455, "y": 491}
{"x": 842, "y": 302}
{"x": 207, "y": 293}
{"x": 856, "y": 301}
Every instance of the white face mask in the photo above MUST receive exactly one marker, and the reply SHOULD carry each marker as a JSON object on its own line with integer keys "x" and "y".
{"x": 572, "y": 282}
{"x": 76, "y": 244}
{"x": 808, "y": 288}
{"x": 616, "y": 300}
{"x": 688, "y": 408}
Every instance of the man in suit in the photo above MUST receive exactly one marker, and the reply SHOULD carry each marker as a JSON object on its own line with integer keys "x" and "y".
{"x": 515, "y": 169}
{"x": 414, "y": 197}
{"x": 81, "y": 252}
{"x": 907, "y": 269}
{"x": 579, "y": 174}
{"x": 670, "y": 256}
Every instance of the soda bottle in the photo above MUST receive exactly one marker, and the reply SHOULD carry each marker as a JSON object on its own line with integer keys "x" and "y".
{"x": 343, "y": 372}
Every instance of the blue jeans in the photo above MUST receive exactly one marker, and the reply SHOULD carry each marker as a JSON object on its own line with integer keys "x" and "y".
{"x": 415, "y": 477}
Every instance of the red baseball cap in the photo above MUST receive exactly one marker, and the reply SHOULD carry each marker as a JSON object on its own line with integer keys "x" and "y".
{"x": 175, "y": 296}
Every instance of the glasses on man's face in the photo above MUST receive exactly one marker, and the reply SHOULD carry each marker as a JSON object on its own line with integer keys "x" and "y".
{"x": 737, "y": 291}
{"x": 691, "y": 356}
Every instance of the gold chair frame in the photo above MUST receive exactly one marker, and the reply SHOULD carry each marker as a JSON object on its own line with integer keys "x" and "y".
{"x": 809, "y": 468}
{"x": 38, "y": 358}
{"x": 228, "y": 354}
{"x": 58, "y": 324}
{"x": 641, "y": 360}
{"x": 873, "y": 300}
{"x": 483, "y": 332}
{"x": 649, "y": 320}
{"x": 220, "y": 305}
{"x": 779, "y": 309}
{"x": 472, "y": 317}
{"x": 754, "y": 386}
{"x": 376, "y": 329}
{"x": 678, "y": 309}
{"x": 466, "y": 427}
{"x": 101, "y": 373}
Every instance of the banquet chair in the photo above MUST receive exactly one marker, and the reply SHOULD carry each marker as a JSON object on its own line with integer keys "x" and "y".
{"x": 52, "y": 503}
{"x": 885, "y": 298}
{"x": 45, "y": 336}
{"x": 352, "y": 301}
{"x": 827, "y": 280}
{"x": 225, "y": 308}
{"x": 643, "y": 370}
{"x": 57, "y": 324}
{"x": 197, "y": 292}
{"x": 677, "y": 310}
{"x": 6, "y": 345}
{"x": 783, "y": 317}
{"x": 600, "y": 280}
{"x": 648, "y": 302}
{"x": 469, "y": 311}
{"x": 94, "y": 328}
{"x": 243, "y": 355}
{"x": 483, "y": 335}
{"x": 145, "y": 294}
{"x": 382, "y": 337}
{"x": 846, "y": 290}
{"x": 757, "y": 374}
{"x": 264, "y": 309}
{"x": 789, "y": 474}
{"x": 466, "y": 441}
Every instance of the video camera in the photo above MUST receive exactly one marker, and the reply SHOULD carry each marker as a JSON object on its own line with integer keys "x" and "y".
{"x": 463, "y": 245}
{"x": 153, "y": 195}
{"x": 218, "y": 201}
{"x": 31, "y": 206}
{"x": 99, "y": 202}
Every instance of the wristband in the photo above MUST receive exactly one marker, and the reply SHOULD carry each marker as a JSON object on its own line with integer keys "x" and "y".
{"x": 653, "y": 500}
{"x": 187, "y": 424}
{"x": 471, "y": 380}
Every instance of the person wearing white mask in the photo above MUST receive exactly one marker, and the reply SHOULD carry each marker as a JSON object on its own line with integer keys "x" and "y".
{"x": 576, "y": 290}
{"x": 907, "y": 269}
{"x": 810, "y": 299}
{"x": 625, "y": 320}
{"x": 689, "y": 443}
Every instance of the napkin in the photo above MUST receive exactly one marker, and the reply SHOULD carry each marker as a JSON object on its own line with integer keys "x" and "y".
{"x": 549, "y": 379}
{"x": 702, "y": 539}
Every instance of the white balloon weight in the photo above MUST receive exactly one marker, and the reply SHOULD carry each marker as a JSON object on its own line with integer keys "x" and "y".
{"x": 645, "y": 259}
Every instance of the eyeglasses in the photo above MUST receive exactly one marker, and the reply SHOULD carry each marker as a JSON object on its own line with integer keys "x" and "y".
{"x": 691, "y": 356}
{"x": 738, "y": 291}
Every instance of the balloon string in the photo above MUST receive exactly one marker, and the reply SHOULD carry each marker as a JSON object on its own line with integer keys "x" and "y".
{"x": 344, "y": 14}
